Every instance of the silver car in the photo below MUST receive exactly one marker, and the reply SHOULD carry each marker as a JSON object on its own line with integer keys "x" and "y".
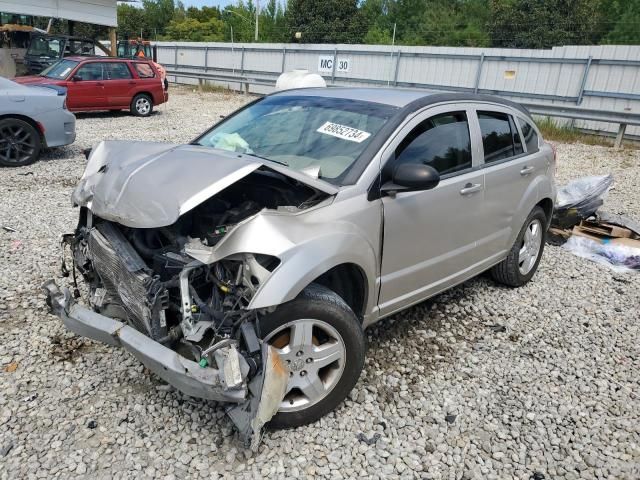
{"x": 31, "y": 119}
{"x": 245, "y": 266}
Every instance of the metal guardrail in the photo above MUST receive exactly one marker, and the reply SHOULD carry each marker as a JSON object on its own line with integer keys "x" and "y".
{"x": 245, "y": 78}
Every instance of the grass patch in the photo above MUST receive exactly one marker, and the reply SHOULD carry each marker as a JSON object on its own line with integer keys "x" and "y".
{"x": 212, "y": 88}
{"x": 565, "y": 133}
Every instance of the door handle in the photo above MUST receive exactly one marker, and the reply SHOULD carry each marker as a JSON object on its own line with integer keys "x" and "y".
{"x": 131, "y": 82}
{"x": 100, "y": 84}
{"x": 526, "y": 171}
{"x": 470, "y": 188}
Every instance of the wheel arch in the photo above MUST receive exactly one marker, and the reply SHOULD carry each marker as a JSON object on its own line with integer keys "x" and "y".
{"x": 347, "y": 280}
{"x": 28, "y": 120}
{"x": 547, "y": 206}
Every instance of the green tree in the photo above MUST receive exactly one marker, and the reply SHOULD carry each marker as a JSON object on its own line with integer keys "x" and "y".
{"x": 328, "y": 21}
{"x": 158, "y": 14}
{"x": 131, "y": 20}
{"x": 621, "y": 24}
{"x": 190, "y": 29}
{"x": 544, "y": 24}
{"x": 240, "y": 17}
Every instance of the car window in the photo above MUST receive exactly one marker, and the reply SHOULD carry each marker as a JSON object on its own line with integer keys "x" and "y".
{"x": 59, "y": 70}
{"x": 46, "y": 47}
{"x": 530, "y": 136}
{"x": 73, "y": 47}
{"x": 442, "y": 142}
{"x": 144, "y": 70}
{"x": 500, "y": 137}
{"x": 116, "y": 71}
{"x": 87, "y": 48}
{"x": 90, "y": 72}
{"x": 304, "y": 132}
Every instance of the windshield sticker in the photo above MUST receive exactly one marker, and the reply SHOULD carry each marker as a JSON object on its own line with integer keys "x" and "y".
{"x": 66, "y": 70}
{"x": 344, "y": 132}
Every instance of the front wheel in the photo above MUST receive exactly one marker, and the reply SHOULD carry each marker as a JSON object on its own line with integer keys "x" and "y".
{"x": 141, "y": 105}
{"x": 525, "y": 254}
{"x": 321, "y": 341}
{"x": 20, "y": 143}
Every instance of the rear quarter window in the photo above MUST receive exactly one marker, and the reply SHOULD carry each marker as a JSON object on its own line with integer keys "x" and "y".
{"x": 144, "y": 70}
{"x": 530, "y": 136}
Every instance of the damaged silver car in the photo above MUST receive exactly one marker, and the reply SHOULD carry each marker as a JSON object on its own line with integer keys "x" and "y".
{"x": 244, "y": 266}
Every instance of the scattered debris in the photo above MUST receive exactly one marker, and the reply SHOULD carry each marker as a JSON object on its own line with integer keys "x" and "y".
{"x": 30, "y": 398}
{"x": 498, "y": 328}
{"x": 8, "y": 229}
{"x": 537, "y": 476}
{"x": 610, "y": 239}
{"x": 617, "y": 256}
{"x": 369, "y": 441}
{"x": 92, "y": 424}
{"x": 450, "y": 418}
{"x": 580, "y": 199}
{"x": 12, "y": 367}
{"x": 610, "y": 244}
{"x": 6, "y": 449}
{"x": 25, "y": 174}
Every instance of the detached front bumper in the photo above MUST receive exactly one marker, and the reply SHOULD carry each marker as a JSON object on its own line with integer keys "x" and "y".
{"x": 256, "y": 401}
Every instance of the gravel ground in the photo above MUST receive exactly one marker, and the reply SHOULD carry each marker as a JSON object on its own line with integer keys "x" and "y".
{"x": 480, "y": 382}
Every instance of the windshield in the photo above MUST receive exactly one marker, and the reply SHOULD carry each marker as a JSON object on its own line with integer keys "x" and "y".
{"x": 45, "y": 47}
{"x": 59, "y": 70}
{"x": 302, "y": 132}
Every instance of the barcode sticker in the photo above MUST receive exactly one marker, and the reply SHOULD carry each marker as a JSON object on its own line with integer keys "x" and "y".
{"x": 344, "y": 132}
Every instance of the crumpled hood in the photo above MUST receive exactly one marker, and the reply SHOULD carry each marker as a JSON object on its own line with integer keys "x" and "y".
{"x": 151, "y": 184}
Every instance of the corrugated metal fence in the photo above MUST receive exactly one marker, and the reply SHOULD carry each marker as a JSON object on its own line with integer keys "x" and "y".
{"x": 590, "y": 78}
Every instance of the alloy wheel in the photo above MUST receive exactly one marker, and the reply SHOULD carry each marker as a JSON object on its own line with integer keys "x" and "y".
{"x": 17, "y": 144}
{"x": 530, "y": 249}
{"x": 315, "y": 354}
{"x": 143, "y": 106}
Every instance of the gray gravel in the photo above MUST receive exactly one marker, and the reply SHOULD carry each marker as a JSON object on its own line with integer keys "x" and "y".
{"x": 446, "y": 393}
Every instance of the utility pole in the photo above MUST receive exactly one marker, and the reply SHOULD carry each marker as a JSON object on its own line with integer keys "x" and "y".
{"x": 257, "y": 16}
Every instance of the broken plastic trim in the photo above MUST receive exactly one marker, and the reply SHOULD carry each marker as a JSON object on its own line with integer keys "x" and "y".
{"x": 255, "y": 403}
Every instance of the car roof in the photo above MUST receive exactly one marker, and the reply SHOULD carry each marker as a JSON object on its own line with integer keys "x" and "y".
{"x": 410, "y": 99}
{"x": 99, "y": 58}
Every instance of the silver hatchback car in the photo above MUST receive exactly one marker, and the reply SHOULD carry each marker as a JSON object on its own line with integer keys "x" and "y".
{"x": 245, "y": 266}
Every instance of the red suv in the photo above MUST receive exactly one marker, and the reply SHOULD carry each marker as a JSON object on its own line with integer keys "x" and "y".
{"x": 105, "y": 83}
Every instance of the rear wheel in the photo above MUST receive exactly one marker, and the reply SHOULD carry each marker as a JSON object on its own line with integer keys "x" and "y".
{"x": 523, "y": 259}
{"x": 321, "y": 341}
{"x": 20, "y": 143}
{"x": 141, "y": 105}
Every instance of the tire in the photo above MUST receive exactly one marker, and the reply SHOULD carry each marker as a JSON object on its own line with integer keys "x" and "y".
{"x": 517, "y": 269}
{"x": 20, "y": 143}
{"x": 141, "y": 105}
{"x": 334, "y": 330}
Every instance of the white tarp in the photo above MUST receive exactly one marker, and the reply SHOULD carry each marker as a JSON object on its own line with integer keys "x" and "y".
{"x": 100, "y": 12}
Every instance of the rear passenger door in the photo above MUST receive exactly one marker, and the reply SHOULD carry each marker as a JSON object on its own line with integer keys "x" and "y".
{"x": 148, "y": 80}
{"x": 118, "y": 84}
{"x": 510, "y": 166}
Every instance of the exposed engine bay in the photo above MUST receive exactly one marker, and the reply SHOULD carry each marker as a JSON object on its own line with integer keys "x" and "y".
{"x": 146, "y": 279}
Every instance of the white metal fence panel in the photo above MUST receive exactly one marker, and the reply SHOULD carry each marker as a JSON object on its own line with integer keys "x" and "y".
{"x": 591, "y": 77}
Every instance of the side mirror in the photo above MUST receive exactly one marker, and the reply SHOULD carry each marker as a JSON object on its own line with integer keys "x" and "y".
{"x": 411, "y": 177}
{"x": 76, "y": 78}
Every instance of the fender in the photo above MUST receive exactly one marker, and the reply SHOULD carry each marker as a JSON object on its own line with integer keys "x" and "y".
{"x": 538, "y": 189}
{"x": 306, "y": 250}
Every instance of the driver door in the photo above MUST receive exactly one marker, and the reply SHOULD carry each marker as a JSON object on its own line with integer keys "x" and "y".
{"x": 430, "y": 236}
{"x": 85, "y": 87}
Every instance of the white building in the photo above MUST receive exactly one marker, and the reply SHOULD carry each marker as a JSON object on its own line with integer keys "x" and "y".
{"x": 99, "y": 12}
